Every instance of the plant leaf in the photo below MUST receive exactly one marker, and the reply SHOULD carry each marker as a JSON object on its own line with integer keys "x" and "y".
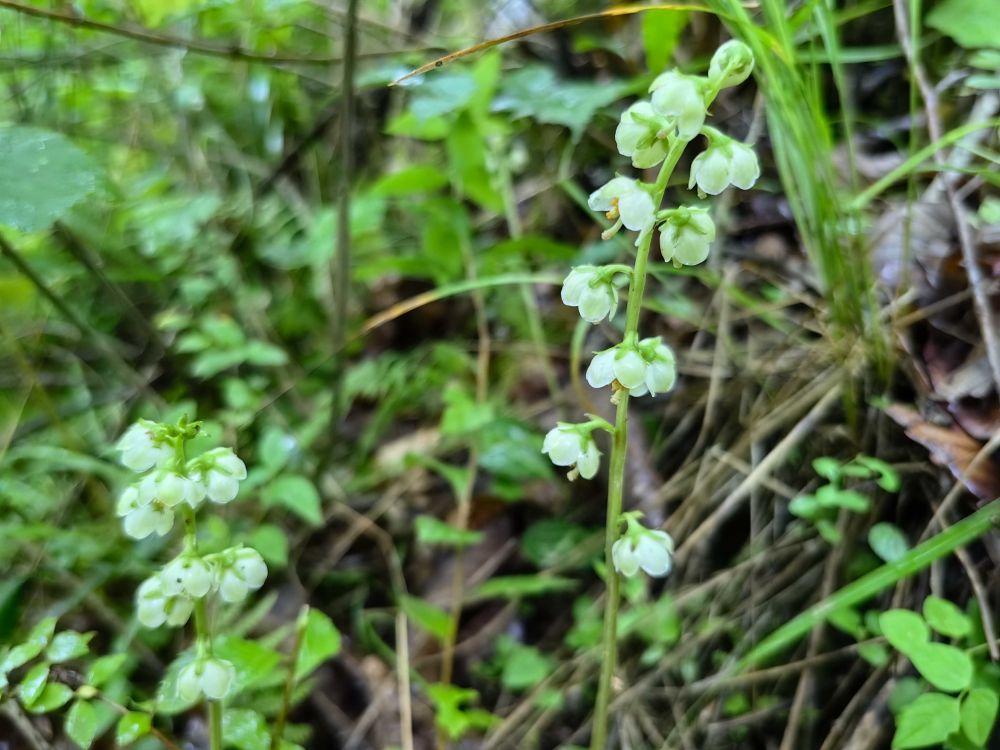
{"x": 978, "y": 714}
{"x": 928, "y": 720}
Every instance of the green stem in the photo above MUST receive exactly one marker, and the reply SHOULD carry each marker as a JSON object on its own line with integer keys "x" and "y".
{"x": 203, "y": 630}
{"x": 616, "y": 481}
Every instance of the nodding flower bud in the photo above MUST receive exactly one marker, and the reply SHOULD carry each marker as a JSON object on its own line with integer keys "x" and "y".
{"x": 239, "y": 571}
{"x": 731, "y": 64}
{"x": 188, "y": 575}
{"x": 639, "y": 547}
{"x": 681, "y": 97}
{"x": 592, "y": 289}
{"x": 210, "y": 677}
{"x": 573, "y": 445}
{"x": 686, "y": 236}
{"x": 626, "y": 202}
{"x": 643, "y": 368}
{"x": 154, "y": 606}
{"x": 143, "y": 446}
{"x": 725, "y": 162}
{"x": 143, "y": 514}
{"x": 641, "y": 135}
{"x": 220, "y": 471}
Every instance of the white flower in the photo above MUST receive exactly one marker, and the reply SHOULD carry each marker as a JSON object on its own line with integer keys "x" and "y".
{"x": 731, "y": 64}
{"x": 567, "y": 445}
{"x": 619, "y": 363}
{"x": 592, "y": 290}
{"x": 681, "y": 97}
{"x": 661, "y": 369}
{"x": 210, "y": 677}
{"x": 726, "y": 162}
{"x": 220, "y": 471}
{"x": 624, "y": 199}
{"x": 651, "y": 550}
{"x": 155, "y": 607}
{"x": 140, "y": 449}
{"x": 240, "y": 570}
{"x": 171, "y": 489}
{"x": 187, "y": 575}
{"x": 641, "y": 135}
{"x": 686, "y": 236}
{"x": 143, "y": 516}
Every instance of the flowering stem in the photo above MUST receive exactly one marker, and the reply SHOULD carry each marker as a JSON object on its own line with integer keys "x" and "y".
{"x": 616, "y": 481}
{"x": 203, "y": 630}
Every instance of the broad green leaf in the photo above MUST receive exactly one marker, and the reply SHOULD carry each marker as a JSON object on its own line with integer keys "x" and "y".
{"x": 430, "y": 530}
{"x": 245, "y": 729}
{"x": 320, "y": 642}
{"x": 874, "y": 653}
{"x": 45, "y": 176}
{"x": 804, "y": 506}
{"x": 33, "y": 683}
{"x": 510, "y": 451}
{"x": 905, "y": 630}
{"x": 253, "y": 661}
{"x": 440, "y": 94}
{"x": 946, "y": 618}
{"x": 452, "y": 716}
{"x": 104, "y": 668}
{"x": 54, "y": 695}
{"x": 131, "y": 727}
{"x": 904, "y": 692}
{"x": 32, "y": 646}
{"x": 945, "y": 667}
{"x": 536, "y": 92}
{"x": 81, "y": 723}
{"x": 978, "y": 713}
{"x": 926, "y": 721}
{"x": 660, "y": 31}
{"x": 420, "y": 178}
{"x": 955, "y": 18}
{"x": 887, "y": 541}
{"x": 297, "y": 494}
{"x": 512, "y": 587}
{"x": 525, "y": 667}
{"x": 435, "y": 621}
{"x": 272, "y": 543}
{"x": 68, "y": 645}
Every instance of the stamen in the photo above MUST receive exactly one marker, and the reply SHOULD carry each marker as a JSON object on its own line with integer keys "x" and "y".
{"x": 607, "y": 234}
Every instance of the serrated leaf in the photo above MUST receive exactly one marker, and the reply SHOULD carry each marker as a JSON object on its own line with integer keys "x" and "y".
{"x": 926, "y": 721}
{"x": 426, "y": 616}
{"x": 46, "y": 175}
{"x": 104, "y": 668}
{"x": 978, "y": 714}
{"x": 905, "y": 630}
{"x": 131, "y": 727}
{"x": 81, "y": 724}
{"x": 297, "y": 494}
{"x": 887, "y": 541}
{"x": 320, "y": 641}
{"x": 946, "y": 618}
{"x": 68, "y": 645}
{"x": 945, "y": 667}
{"x": 430, "y": 530}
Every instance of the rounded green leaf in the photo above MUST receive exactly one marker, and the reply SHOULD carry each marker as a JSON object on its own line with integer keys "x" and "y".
{"x": 297, "y": 494}
{"x": 68, "y": 645}
{"x": 132, "y": 726}
{"x": 979, "y": 712}
{"x": 46, "y": 174}
{"x": 887, "y": 541}
{"x": 33, "y": 683}
{"x": 905, "y": 630}
{"x": 946, "y": 618}
{"x": 54, "y": 695}
{"x": 927, "y": 721}
{"x": 945, "y": 667}
{"x": 81, "y": 724}
{"x": 104, "y": 668}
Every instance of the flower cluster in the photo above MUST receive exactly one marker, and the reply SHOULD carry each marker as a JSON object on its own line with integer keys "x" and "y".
{"x": 652, "y": 132}
{"x": 169, "y": 485}
{"x": 148, "y": 505}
